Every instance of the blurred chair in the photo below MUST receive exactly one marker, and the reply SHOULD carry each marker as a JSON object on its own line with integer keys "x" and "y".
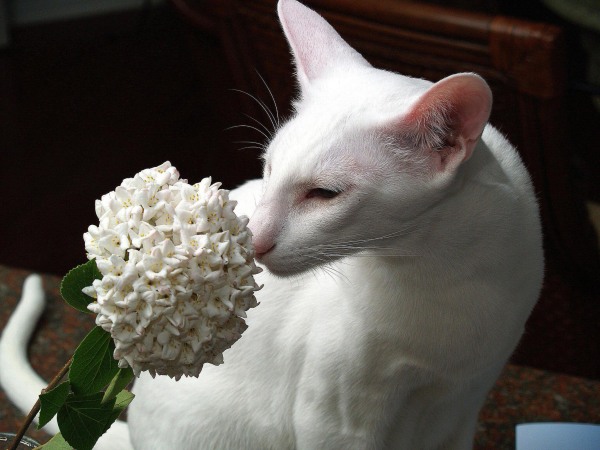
{"x": 524, "y": 63}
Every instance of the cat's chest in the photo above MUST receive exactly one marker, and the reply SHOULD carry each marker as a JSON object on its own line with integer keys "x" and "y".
{"x": 327, "y": 323}
{"x": 355, "y": 381}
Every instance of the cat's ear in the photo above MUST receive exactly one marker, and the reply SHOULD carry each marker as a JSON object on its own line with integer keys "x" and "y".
{"x": 447, "y": 121}
{"x": 316, "y": 46}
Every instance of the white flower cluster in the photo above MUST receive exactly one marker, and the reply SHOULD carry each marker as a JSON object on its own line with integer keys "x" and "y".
{"x": 177, "y": 266}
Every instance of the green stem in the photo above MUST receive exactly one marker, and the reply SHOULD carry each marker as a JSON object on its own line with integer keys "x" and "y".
{"x": 36, "y": 408}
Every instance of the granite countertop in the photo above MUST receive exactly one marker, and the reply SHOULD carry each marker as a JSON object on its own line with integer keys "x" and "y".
{"x": 521, "y": 394}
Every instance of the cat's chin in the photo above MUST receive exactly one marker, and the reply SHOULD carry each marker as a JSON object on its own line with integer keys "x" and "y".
{"x": 285, "y": 269}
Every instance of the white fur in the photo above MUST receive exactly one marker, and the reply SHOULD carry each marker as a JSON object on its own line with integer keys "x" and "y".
{"x": 20, "y": 382}
{"x": 433, "y": 264}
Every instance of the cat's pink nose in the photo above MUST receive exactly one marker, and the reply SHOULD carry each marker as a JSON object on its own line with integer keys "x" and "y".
{"x": 264, "y": 228}
{"x": 261, "y": 250}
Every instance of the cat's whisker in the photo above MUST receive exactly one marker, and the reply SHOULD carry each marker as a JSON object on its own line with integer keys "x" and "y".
{"x": 341, "y": 250}
{"x": 319, "y": 258}
{"x": 401, "y": 232}
{"x": 348, "y": 245}
{"x": 355, "y": 247}
{"x": 252, "y": 145}
{"x": 261, "y": 104}
{"x": 327, "y": 259}
{"x": 277, "y": 121}
{"x": 326, "y": 266}
{"x": 397, "y": 233}
{"x": 327, "y": 270}
{"x": 250, "y": 142}
{"x": 262, "y": 125}
{"x": 387, "y": 255}
{"x": 398, "y": 255}
{"x": 316, "y": 270}
{"x": 316, "y": 255}
{"x": 243, "y": 125}
{"x": 338, "y": 273}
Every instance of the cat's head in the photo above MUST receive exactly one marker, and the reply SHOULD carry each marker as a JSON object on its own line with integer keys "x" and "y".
{"x": 365, "y": 154}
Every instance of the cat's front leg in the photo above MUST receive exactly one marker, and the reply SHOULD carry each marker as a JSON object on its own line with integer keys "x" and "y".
{"x": 327, "y": 412}
{"x": 344, "y": 406}
{"x": 356, "y": 424}
{"x": 439, "y": 415}
{"x": 314, "y": 429}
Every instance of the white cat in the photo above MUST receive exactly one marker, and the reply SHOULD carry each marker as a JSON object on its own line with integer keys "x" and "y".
{"x": 426, "y": 227}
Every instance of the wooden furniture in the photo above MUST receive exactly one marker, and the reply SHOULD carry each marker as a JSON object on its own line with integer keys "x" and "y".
{"x": 523, "y": 62}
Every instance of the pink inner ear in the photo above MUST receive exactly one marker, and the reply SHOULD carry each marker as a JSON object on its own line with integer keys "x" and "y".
{"x": 316, "y": 46}
{"x": 450, "y": 117}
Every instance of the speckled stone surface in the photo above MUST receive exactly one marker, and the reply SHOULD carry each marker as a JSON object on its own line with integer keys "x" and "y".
{"x": 521, "y": 394}
{"x": 524, "y": 395}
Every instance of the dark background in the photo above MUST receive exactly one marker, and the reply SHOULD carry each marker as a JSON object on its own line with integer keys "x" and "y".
{"x": 85, "y": 104}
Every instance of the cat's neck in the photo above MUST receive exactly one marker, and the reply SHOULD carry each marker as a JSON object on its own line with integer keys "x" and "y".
{"x": 435, "y": 258}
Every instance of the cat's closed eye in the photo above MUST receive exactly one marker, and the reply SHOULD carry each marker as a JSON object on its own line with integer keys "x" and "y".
{"x": 322, "y": 193}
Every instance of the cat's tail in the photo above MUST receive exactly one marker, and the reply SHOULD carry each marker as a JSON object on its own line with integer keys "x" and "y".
{"x": 18, "y": 379}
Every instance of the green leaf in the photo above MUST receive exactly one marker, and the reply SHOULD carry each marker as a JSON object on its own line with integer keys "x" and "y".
{"x": 93, "y": 365}
{"x": 83, "y": 419}
{"x": 118, "y": 383}
{"x": 78, "y": 278}
{"x": 123, "y": 399}
{"x": 56, "y": 443}
{"x": 51, "y": 402}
